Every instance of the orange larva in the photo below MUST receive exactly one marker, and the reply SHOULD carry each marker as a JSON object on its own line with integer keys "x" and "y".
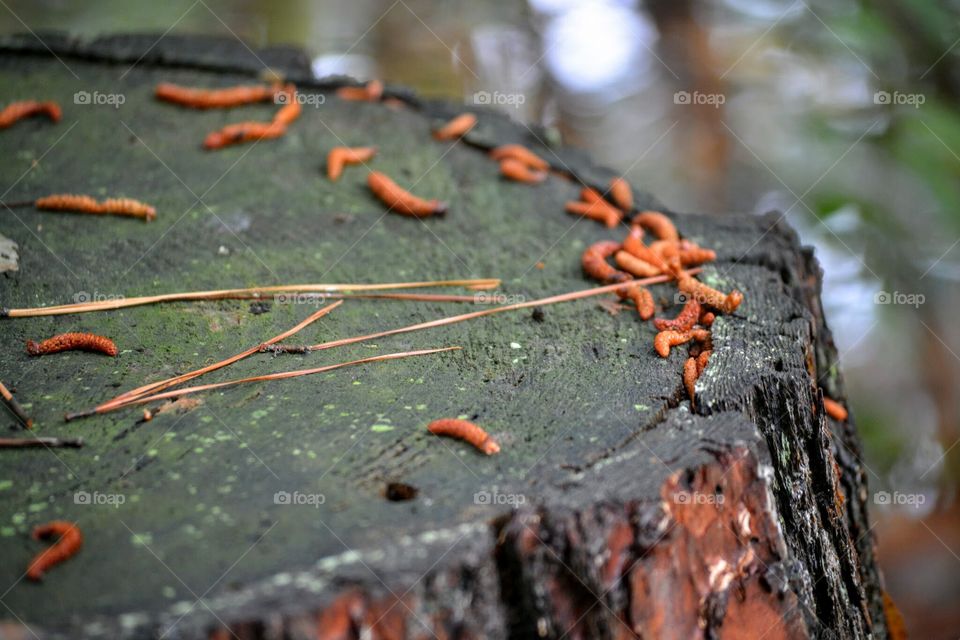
{"x": 519, "y": 172}
{"x": 636, "y": 266}
{"x": 657, "y": 224}
{"x": 456, "y": 127}
{"x": 667, "y": 339}
{"x": 340, "y": 156}
{"x": 370, "y": 92}
{"x": 707, "y": 318}
{"x": 690, "y": 375}
{"x": 69, "y": 542}
{"x": 214, "y": 98}
{"x": 402, "y": 201}
{"x": 684, "y": 321}
{"x": 642, "y": 300}
{"x": 595, "y": 265}
{"x": 288, "y": 112}
{"x": 599, "y": 211}
{"x": 521, "y": 153}
{"x": 86, "y": 204}
{"x": 72, "y": 342}
{"x": 727, "y": 303}
{"x": 835, "y": 410}
{"x": 633, "y": 244}
{"x": 466, "y": 431}
{"x": 702, "y": 360}
{"x": 621, "y": 194}
{"x": 693, "y": 256}
{"x": 243, "y": 132}
{"x": 25, "y": 108}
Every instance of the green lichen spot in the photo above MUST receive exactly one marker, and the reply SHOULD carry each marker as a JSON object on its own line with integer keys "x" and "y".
{"x": 381, "y": 428}
{"x": 5, "y": 484}
{"x": 259, "y": 413}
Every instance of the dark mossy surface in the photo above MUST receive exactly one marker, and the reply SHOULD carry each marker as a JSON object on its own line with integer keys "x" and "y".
{"x": 199, "y": 485}
{"x": 587, "y": 414}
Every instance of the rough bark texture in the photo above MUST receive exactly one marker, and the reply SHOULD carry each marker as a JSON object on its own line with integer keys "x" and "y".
{"x": 614, "y": 510}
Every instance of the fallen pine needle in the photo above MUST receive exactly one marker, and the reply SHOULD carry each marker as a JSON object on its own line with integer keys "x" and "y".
{"x": 169, "y": 382}
{"x": 15, "y": 407}
{"x": 563, "y": 297}
{"x": 227, "y": 294}
{"x": 270, "y": 376}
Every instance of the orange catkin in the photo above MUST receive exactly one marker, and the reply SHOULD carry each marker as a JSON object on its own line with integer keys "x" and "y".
{"x": 466, "y": 431}
{"x": 621, "y": 194}
{"x": 401, "y": 200}
{"x": 835, "y": 410}
{"x": 595, "y": 265}
{"x": 519, "y": 172}
{"x": 642, "y": 300}
{"x": 341, "y": 156}
{"x": 633, "y": 244}
{"x": 456, "y": 128}
{"x": 521, "y": 153}
{"x": 69, "y": 542}
{"x": 657, "y": 224}
{"x": 727, "y": 303}
{"x": 288, "y": 112}
{"x": 72, "y": 342}
{"x": 215, "y": 98}
{"x": 25, "y": 108}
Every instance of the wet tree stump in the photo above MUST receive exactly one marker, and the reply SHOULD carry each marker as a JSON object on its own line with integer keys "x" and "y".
{"x": 614, "y": 509}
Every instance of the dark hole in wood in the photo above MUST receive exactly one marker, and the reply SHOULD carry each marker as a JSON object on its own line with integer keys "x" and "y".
{"x": 400, "y": 492}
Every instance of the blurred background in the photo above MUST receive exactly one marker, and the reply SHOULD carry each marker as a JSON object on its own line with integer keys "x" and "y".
{"x": 843, "y": 115}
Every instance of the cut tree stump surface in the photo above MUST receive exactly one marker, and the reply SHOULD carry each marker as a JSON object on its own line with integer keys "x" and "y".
{"x": 612, "y": 507}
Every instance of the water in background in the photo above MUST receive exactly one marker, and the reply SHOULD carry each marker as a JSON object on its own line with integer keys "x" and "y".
{"x": 840, "y": 114}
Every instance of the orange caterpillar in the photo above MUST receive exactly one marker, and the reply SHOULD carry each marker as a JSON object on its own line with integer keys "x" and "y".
{"x": 215, "y": 98}
{"x": 456, "y": 128}
{"x": 707, "y": 295}
{"x": 690, "y": 375}
{"x": 633, "y": 244}
{"x": 68, "y": 543}
{"x": 642, "y": 300}
{"x": 25, "y": 108}
{"x": 290, "y": 111}
{"x": 370, "y": 92}
{"x": 636, "y": 266}
{"x": 594, "y": 261}
{"x": 72, "y": 342}
{"x": 243, "y": 132}
{"x": 684, "y": 321}
{"x": 703, "y": 359}
{"x": 516, "y": 170}
{"x": 609, "y": 217}
{"x": 667, "y": 339}
{"x": 835, "y": 410}
{"x": 658, "y": 224}
{"x": 621, "y": 194}
{"x": 86, "y": 204}
{"x": 707, "y": 319}
{"x": 401, "y": 200}
{"x": 692, "y": 255}
{"x": 521, "y": 153}
{"x": 609, "y": 212}
{"x": 340, "y": 156}
{"x": 466, "y": 431}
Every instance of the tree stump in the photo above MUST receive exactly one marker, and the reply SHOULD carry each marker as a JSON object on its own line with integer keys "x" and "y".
{"x": 614, "y": 510}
